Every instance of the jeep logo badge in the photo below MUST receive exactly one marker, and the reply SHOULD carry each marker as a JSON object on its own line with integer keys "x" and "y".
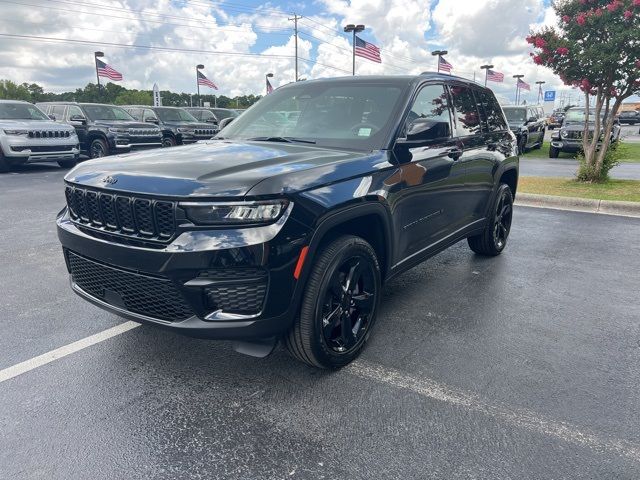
{"x": 109, "y": 180}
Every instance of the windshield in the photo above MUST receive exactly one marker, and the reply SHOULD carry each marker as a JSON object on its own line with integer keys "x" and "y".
{"x": 336, "y": 114}
{"x": 223, "y": 113}
{"x": 21, "y": 111}
{"x": 515, "y": 115}
{"x": 106, "y": 112}
{"x": 174, "y": 115}
{"x": 577, "y": 115}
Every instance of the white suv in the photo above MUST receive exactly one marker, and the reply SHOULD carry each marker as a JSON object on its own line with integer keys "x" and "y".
{"x": 28, "y": 135}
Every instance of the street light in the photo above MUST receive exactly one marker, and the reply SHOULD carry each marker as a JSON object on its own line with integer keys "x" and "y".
{"x": 355, "y": 29}
{"x": 439, "y": 53}
{"x": 96, "y": 55}
{"x": 266, "y": 78}
{"x": 198, "y": 68}
{"x": 540, "y": 83}
{"x": 486, "y": 69}
{"x": 517, "y": 77}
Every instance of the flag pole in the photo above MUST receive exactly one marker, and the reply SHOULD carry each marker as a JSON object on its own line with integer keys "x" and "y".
{"x": 355, "y": 29}
{"x": 95, "y": 61}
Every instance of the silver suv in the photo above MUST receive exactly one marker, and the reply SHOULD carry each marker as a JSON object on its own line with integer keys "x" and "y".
{"x": 28, "y": 135}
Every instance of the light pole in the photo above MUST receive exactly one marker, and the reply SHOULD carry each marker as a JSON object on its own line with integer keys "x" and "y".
{"x": 540, "y": 83}
{"x": 486, "y": 69}
{"x": 439, "y": 53}
{"x": 266, "y": 79}
{"x": 355, "y": 29}
{"x": 517, "y": 77}
{"x": 198, "y": 68}
{"x": 96, "y": 55}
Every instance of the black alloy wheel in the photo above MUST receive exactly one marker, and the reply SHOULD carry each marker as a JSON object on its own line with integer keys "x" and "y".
{"x": 168, "y": 141}
{"x": 493, "y": 239}
{"x": 339, "y": 305}
{"x": 98, "y": 148}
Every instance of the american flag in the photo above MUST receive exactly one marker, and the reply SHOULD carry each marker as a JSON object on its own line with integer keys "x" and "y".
{"x": 105, "y": 70}
{"x": 443, "y": 65}
{"x": 367, "y": 50}
{"x": 523, "y": 85}
{"x": 269, "y": 87}
{"x": 494, "y": 76}
{"x": 202, "y": 80}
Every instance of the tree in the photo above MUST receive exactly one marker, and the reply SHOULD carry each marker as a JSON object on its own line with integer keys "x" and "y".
{"x": 596, "y": 48}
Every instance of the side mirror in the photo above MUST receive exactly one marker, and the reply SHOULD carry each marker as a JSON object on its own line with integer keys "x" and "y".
{"x": 52, "y": 117}
{"x": 225, "y": 121}
{"x": 425, "y": 130}
{"x": 78, "y": 119}
{"x": 212, "y": 120}
{"x": 532, "y": 120}
{"x": 152, "y": 120}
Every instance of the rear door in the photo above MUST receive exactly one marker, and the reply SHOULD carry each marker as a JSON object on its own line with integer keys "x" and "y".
{"x": 432, "y": 178}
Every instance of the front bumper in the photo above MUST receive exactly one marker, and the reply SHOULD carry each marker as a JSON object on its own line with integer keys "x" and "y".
{"x": 122, "y": 143}
{"x": 567, "y": 145}
{"x": 225, "y": 284}
{"x": 26, "y": 150}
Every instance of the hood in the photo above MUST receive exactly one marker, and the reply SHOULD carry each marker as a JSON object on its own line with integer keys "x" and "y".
{"x": 515, "y": 126}
{"x": 193, "y": 125}
{"x": 34, "y": 125}
{"x": 222, "y": 168}
{"x": 124, "y": 124}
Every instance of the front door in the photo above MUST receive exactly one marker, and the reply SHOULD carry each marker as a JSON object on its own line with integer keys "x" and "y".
{"x": 432, "y": 178}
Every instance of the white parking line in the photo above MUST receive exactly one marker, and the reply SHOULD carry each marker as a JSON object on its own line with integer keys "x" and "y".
{"x": 48, "y": 357}
{"x": 519, "y": 417}
{"x": 422, "y": 386}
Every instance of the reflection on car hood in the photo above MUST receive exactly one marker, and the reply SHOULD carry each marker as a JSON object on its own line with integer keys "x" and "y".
{"x": 33, "y": 125}
{"x": 125, "y": 124}
{"x": 221, "y": 168}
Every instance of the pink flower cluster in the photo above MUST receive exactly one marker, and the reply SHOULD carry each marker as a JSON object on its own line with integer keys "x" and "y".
{"x": 582, "y": 17}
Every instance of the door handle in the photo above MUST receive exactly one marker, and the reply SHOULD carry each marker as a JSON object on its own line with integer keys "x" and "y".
{"x": 454, "y": 153}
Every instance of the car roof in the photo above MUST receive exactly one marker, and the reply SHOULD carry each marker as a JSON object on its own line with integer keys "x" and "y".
{"x": 79, "y": 103}
{"x": 14, "y": 101}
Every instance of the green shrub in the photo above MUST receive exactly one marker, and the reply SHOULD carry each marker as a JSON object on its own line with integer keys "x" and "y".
{"x": 614, "y": 155}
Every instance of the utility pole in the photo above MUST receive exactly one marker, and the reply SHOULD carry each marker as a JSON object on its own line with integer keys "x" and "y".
{"x": 486, "y": 69}
{"x": 295, "y": 29}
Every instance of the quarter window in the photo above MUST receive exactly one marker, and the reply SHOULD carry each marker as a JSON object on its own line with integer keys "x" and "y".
{"x": 490, "y": 111}
{"x": 58, "y": 111}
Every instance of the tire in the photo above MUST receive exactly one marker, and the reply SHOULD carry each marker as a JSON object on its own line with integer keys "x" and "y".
{"x": 4, "y": 164}
{"x": 168, "y": 141}
{"x": 554, "y": 152}
{"x": 522, "y": 146}
{"x": 98, "y": 148}
{"x": 493, "y": 240}
{"x": 539, "y": 144}
{"x": 321, "y": 336}
{"x": 67, "y": 163}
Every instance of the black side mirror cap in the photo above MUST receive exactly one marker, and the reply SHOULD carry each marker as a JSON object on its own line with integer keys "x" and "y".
{"x": 225, "y": 121}
{"x": 52, "y": 117}
{"x": 78, "y": 119}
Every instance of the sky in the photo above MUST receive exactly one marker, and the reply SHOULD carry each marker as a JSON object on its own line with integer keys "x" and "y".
{"x": 241, "y": 40}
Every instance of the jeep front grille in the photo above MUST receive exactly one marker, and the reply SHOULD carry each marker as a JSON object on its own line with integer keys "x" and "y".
{"x": 204, "y": 132}
{"x": 144, "y": 132}
{"x": 122, "y": 214}
{"x": 49, "y": 133}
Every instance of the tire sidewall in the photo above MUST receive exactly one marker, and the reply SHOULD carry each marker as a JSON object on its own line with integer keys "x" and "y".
{"x": 504, "y": 189}
{"x": 103, "y": 145}
{"x": 313, "y": 303}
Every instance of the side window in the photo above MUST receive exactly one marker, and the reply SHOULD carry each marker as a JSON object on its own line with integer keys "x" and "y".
{"x": 135, "y": 113}
{"x": 429, "y": 117}
{"x": 74, "y": 111}
{"x": 466, "y": 111}
{"x": 58, "y": 111}
{"x": 150, "y": 114}
{"x": 490, "y": 111}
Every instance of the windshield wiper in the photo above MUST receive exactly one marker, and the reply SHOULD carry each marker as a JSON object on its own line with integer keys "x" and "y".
{"x": 281, "y": 139}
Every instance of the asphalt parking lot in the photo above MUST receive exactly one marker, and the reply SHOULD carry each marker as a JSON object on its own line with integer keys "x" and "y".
{"x": 523, "y": 366}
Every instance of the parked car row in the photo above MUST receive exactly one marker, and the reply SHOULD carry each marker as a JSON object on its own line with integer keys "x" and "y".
{"x": 529, "y": 125}
{"x": 63, "y": 131}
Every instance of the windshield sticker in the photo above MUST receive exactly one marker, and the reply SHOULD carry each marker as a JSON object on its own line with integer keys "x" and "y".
{"x": 364, "y": 132}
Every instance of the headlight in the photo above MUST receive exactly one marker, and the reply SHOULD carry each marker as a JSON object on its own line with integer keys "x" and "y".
{"x": 185, "y": 130}
{"x": 16, "y": 132}
{"x": 563, "y": 133}
{"x": 118, "y": 130}
{"x": 234, "y": 213}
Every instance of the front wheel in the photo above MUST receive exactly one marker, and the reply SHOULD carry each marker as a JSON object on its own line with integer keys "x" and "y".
{"x": 168, "y": 141}
{"x": 98, "y": 148}
{"x": 522, "y": 146}
{"x": 493, "y": 239}
{"x": 339, "y": 305}
{"x": 67, "y": 163}
{"x": 554, "y": 152}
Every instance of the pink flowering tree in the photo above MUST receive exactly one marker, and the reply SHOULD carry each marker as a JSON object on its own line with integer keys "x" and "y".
{"x": 596, "y": 48}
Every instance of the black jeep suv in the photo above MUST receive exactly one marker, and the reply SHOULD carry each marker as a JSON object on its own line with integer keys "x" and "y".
{"x": 178, "y": 126}
{"x": 289, "y": 231}
{"x": 104, "y": 129}
{"x": 528, "y": 124}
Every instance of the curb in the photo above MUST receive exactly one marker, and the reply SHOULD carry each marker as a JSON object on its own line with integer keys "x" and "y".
{"x": 574, "y": 204}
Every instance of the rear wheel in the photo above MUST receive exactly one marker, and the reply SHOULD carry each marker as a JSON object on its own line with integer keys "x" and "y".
{"x": 554, "y": 152}
{"x": 339, "y": 305}
{"x": 493, "y": 239}
{"x": 98, "y": 148}
{"x": 67, "y": 163}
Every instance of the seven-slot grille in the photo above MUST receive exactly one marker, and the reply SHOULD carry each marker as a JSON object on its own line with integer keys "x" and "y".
{"x": 122, "y": 214}
{"x": 142, "y": 294}
{"x": 201, "y": 132}
{"x": 144, "y": 132}
{"x": 573, "y": 134}
{"x": 49, "y": 133}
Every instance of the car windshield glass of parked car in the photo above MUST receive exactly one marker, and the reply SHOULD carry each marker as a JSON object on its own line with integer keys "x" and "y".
{"x": 20, "y": 111}
{"x": 107, "y": 112}
{"x": 577, "y": 115}
{"x": 515, "y": 115}
{"x": 174, "y": 115}
{"x": 331, "y": 114}
{"x": 222, "y": 113}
